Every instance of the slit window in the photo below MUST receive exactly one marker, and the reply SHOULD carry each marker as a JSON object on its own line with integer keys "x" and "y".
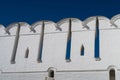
{"x": 27, "y": 53}
{"x": 39, "y": 59}
{"x": 97, "y": 41}
{"x": 68, "y": 49}
{"x": 13, "y": 57}
{"x": 82, "y": 50}
{"x": 112, "y": 74}
{"x": 51, "y": 74}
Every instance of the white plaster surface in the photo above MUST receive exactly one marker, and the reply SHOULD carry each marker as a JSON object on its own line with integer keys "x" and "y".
{"x": 54, "y": 50}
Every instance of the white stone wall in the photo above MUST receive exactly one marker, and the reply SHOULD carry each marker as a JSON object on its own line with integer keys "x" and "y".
{"x": 55, "y": 38}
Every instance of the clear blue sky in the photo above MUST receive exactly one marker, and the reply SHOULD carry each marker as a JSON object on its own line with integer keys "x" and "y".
{"x": 33, "y": 10}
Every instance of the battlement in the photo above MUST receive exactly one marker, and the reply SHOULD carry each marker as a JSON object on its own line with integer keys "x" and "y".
{"x": 70, "y": 45}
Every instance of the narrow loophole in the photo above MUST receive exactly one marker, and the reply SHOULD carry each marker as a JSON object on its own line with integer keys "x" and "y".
{"x": 97, "y": 41}
{"x": 13, "y": 57}
{"x": 27, "y": 53}
{"x": 51, "y": 74}
{"x": 40, "y": 51}
{"x": 82, "y": 50}
{"x": 68, "y": 48}
{"x": 112, "y": 74}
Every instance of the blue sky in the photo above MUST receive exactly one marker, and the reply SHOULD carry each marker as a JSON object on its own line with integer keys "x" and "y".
{"x": 34, "y": 10}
